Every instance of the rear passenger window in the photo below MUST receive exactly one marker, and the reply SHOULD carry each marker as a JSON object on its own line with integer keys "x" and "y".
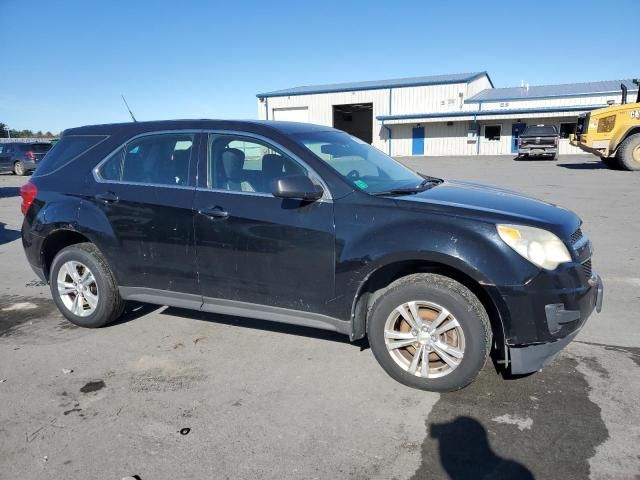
{"x": 66, "y": 150}
{"x": 153, "y": 159}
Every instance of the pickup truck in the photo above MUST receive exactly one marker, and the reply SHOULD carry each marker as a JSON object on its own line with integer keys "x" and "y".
{"x": 538, "y": 140}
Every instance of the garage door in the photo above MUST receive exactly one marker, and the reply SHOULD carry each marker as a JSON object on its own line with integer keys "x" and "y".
{"x": 291, "y": 114}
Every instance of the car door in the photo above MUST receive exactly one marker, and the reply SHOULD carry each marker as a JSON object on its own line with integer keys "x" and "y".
{"x": 5, "y": 157}
{"x": 146, "y": 190}
{"x": 253, "y": 247}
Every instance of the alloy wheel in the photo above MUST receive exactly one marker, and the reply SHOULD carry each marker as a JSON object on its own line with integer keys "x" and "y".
{"x": 77, "y": 288}
{"x": 424, "y": 339}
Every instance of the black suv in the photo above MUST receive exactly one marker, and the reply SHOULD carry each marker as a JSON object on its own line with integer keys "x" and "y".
{"x": 307, "y": 225}
{"x": 22, "y": 158}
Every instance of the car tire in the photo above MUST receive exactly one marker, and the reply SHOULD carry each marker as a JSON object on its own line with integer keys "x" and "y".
{"x": 628, "y": 154}
{"x": 92, "y": 302}
{"x": 441, "y": 302}
{"x": 19, "y": 169}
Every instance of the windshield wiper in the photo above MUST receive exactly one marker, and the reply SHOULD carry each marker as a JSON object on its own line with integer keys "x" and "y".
{"x": 426, "y": 184}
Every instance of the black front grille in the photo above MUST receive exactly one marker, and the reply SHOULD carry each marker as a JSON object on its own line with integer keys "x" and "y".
{"x": 575, "y": 236}
{"x": 582, "y": 125}
{"x": 586, "y": 268}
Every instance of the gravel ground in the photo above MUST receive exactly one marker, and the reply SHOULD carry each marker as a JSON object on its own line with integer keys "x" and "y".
{"x": 265, "y": 400}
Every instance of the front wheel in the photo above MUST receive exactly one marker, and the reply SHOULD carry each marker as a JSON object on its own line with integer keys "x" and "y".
{"x": 83, "y": 286}
{"x": 629, "y": 153}
{"x": 430, "y": 332}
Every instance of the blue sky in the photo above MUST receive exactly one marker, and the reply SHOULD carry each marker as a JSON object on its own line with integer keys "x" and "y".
{"x": 69, "y": 61}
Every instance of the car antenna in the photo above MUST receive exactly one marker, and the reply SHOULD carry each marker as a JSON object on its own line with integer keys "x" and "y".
{"x": 127, "y": 105}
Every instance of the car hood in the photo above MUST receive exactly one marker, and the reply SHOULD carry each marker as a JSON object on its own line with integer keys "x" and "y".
{"x": 496, "y": 203}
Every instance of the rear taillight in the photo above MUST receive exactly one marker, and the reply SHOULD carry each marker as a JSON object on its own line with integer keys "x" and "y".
{"x": 28, "y": 193}
{"x": 30, "y": 155}
{"x": 555, "y": 140}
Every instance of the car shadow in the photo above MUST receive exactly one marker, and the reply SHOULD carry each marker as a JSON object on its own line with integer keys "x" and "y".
{"x": 465, "y": 452}
{"x": 595, "y": 165}
{"x": 257, "y": 324}
{"x": 7, "y": 235}
{"x": 133, "y": 311}
{"x": 6, "y": 192}
{"x": 519, "y": 158}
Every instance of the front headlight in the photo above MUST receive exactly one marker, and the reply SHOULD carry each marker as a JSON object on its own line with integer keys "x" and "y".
{"x": 540, "y": 247}
{"x": 606, "y": 124}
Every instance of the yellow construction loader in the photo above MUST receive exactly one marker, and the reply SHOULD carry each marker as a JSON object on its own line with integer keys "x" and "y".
{"x": 612, "y": 133}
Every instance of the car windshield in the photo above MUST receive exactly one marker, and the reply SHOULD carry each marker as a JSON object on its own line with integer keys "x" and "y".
{"x": 362, "y": 165}
{"x": 541, "y": 131}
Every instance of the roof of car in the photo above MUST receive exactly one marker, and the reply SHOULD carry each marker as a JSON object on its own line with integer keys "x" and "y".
{"x": 199, "y": 124}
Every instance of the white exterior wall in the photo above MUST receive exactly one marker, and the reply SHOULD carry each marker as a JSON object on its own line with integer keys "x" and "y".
{"x": 320, "y": 107}
{"x": 586, "y": 100}
{"x": 440, "y": 138}
{"x": 476, "y": 86}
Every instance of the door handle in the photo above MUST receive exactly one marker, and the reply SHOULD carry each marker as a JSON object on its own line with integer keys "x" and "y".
{"x": 108, "y": 197}
{"x": 214, "y": 213}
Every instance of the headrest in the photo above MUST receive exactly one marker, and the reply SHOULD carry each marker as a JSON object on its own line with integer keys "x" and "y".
{"x": 232, "y": 162}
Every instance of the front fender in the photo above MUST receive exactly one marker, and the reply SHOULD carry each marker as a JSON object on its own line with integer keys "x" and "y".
{"x": 389, "y": 235}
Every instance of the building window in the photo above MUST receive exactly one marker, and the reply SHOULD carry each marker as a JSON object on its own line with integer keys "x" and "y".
{"x": 567, "y": 129}
{"x": 492, "y": 132}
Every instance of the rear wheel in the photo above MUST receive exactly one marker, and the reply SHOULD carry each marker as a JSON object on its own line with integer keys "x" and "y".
{"x": 19, "y": 169}
{"x": 629, "y": 153}
{"x": 83, "y": 286}
{"x": 429, "y": 332}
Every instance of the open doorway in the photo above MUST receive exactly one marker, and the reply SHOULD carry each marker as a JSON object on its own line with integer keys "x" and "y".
{"x": 355, "y": 119}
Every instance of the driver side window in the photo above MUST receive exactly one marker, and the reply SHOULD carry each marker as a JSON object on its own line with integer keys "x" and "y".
{"x": 245, "y": 164}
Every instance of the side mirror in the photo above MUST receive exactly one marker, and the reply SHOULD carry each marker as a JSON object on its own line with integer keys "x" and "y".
{"x": 299, "y": 187}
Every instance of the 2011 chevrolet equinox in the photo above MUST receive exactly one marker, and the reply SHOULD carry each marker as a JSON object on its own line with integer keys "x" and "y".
{"x": 307, "y": 225}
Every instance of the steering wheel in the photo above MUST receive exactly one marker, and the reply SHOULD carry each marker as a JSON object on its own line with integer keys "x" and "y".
{"x": 353, "y": 175}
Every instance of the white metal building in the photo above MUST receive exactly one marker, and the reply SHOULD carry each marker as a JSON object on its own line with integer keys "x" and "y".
{"x": 459, "y": 114}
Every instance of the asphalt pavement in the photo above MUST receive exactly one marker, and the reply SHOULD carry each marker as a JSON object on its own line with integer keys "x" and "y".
{"x": 167, "y": 393}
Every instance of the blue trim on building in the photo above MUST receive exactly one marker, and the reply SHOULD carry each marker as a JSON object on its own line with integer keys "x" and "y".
{"x": 378, "y": 85}
{"x": 478, "y": 113}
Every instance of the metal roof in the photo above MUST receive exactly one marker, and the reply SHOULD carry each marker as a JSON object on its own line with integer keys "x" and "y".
{"x": 551, "y": 91}
{"x": 481, "y": 113}
{"x": 377, "y": 84}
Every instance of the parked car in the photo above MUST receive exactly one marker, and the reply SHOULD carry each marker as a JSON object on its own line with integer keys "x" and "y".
{"x": 21, "y": 158}
{"x": 310, "y": 226}
{"x": 539, "y": 140}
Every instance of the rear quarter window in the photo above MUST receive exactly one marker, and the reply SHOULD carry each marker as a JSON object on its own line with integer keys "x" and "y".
{"x": 66, "y": 150}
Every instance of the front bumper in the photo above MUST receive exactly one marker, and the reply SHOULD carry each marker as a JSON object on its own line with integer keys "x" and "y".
{"x": 563, "y": 321}
{"x": 537, "y": 150}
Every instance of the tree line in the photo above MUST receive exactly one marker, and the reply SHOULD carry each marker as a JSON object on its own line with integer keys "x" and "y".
{"x": 23, "y": 133}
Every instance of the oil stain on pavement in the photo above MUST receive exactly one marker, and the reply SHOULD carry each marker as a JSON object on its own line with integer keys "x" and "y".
{"x": 540, "y": 426}
{"x": 17, "y": 311}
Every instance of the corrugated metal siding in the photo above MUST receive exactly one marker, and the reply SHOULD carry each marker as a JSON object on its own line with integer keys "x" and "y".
{"x": 440, "y": 138}
{"x": 552, "y": 102}
{"x": 476, "y": 86}
{"x": 443, "y": 139}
